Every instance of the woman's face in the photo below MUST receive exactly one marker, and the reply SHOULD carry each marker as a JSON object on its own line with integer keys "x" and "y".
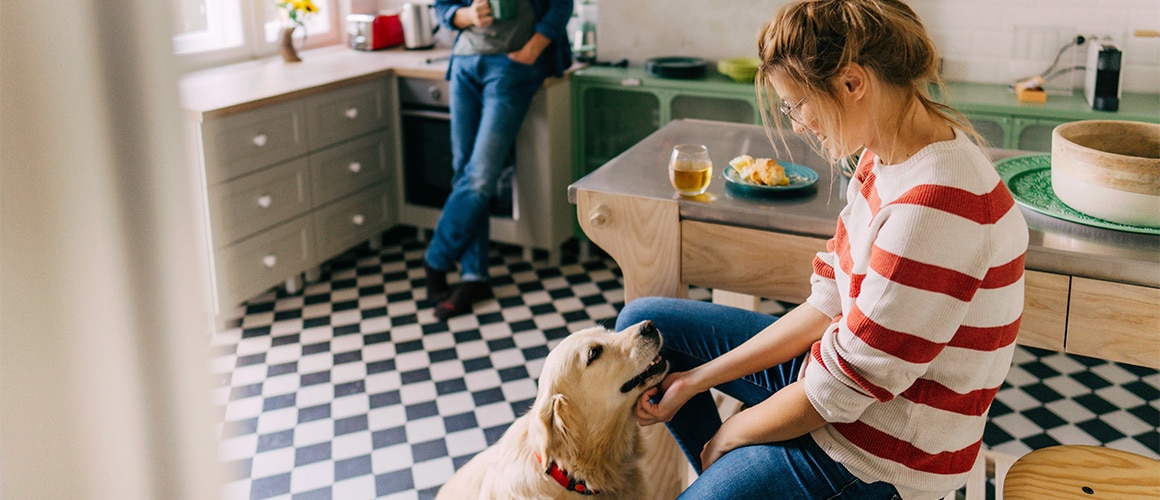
{"x": 805, "y": 112}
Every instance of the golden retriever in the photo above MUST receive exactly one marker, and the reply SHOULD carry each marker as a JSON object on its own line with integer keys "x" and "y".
{"x": 580, "y": 437}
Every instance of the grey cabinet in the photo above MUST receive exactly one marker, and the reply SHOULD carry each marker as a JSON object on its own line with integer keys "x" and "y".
{"x": 294, "y": 183}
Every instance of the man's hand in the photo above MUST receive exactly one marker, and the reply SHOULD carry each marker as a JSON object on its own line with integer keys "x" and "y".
{"x": 476, "y": 14}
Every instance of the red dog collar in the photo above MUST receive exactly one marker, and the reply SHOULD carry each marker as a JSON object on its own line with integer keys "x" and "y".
{"x": 568, "y": 482}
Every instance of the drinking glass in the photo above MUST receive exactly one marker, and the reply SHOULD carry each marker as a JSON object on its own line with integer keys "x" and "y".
{"x": 690, "y": 169}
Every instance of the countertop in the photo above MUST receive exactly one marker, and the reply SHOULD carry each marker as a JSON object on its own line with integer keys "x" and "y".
{"x": 235, "y": 88}
{"x": 1056, "y": 246}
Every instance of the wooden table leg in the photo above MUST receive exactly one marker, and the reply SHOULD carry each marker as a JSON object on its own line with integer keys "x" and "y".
{"x": 642, "y": 235}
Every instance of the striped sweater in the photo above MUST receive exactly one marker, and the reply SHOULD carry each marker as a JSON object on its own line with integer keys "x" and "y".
{"x": 924, "y": 281}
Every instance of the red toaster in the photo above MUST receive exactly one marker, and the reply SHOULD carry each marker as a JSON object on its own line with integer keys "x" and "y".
{"x": 374, "y": 32}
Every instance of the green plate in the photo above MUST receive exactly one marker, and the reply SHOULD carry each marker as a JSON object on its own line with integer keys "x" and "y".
{"x": 800, "y": 177}
{"x": 1029, "y": 180}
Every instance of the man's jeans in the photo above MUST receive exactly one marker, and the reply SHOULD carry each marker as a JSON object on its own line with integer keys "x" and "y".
{"x": 490, "y": 94}
{"x": 696, "y": 332}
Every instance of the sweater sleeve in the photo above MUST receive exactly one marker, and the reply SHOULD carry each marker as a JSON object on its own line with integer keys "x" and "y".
{"x": 824, "y": 294}
{"x": 553, "y": 23}
{"x": 922, "y": 265}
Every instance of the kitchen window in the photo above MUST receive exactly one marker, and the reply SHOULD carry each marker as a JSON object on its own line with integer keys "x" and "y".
{"x": 213, "y": 32}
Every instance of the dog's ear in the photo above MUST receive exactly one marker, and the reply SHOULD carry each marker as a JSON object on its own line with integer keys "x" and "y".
{"x": 553, "y": 417}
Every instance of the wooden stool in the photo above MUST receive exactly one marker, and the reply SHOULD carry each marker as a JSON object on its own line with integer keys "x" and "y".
{"x": 1082, "y": 472}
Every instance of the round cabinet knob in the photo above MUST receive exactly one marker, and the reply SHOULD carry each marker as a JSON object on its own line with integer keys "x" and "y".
{"x": 600, "y": 216}
{"x": 355, "y": 167}
{"x": 269, "y": 261}
{"x": 358, "y": 219}
{"x": 260, "y": 140}
{"x": 352, "y": 113}
{"x": 264, "y": 201}
{"x": 435, "y": 93}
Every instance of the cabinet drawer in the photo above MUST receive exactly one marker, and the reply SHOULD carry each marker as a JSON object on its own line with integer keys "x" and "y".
{"x": 245, "y": 206}
{"x": 347, "y": 168}
{"x": 344, "y": 114}
{"x": 1114, "y": 321}
{"x": 783, "y": 276}
{"x": 251, "y": 266}
{"x": 1044, "y": 310}
{"x": 245, "y": 142}
{"x": 348, "y": 222}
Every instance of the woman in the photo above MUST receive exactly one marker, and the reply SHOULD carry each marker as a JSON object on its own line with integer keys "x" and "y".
{"x": 497, "y": 66}
{"x": 878, "y": 385}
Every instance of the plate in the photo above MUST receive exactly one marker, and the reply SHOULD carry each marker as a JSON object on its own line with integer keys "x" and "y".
{"x": 800, "y": 177}
{"x": 676, "y": 67}
{"x": 1029, "y": 180}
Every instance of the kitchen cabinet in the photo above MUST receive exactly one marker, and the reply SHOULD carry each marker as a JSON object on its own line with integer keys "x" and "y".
{"x": 295, "y": 182}
{"x": 615, "y": 108}
{"x": 1004, "y": 122}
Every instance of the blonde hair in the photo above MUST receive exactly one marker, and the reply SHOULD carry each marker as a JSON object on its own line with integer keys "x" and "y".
{"x": 809, "y": 42}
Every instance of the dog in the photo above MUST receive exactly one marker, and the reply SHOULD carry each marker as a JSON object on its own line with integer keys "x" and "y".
{"x": 580, "y": 437}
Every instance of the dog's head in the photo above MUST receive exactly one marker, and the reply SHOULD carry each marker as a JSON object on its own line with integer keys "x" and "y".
{"x": 591, "y": 382}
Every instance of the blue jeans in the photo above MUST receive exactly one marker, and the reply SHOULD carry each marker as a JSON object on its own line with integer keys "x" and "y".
{"x": 696, "y": 332}
{"x": 490, "y": 94}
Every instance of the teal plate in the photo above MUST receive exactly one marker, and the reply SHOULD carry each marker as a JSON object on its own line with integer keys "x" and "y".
{"x": 800, "y": 177}
{"x": 1029, "y": 180}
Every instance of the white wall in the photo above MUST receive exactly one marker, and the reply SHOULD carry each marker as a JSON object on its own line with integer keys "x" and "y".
{"x": 977, "y": 38}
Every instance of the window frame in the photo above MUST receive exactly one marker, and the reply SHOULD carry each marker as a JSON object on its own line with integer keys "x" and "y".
{"x": 253, "y": 46}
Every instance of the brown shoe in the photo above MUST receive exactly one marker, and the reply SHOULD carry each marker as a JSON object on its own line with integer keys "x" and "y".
{"x": 462, "y": 299}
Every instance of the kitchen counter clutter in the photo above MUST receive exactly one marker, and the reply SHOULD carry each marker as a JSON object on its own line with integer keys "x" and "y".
{"x": 1089, "y": 290}
{"x": 302, "y": 161}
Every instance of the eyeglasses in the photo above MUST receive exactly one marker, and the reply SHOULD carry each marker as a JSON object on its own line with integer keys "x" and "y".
{"x": 790, "y": 109}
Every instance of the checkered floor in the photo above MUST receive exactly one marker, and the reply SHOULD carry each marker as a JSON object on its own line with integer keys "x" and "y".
{"x": 351, "y": 389}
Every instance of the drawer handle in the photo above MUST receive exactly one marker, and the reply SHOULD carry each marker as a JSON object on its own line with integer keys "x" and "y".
{"x": 264, "y": 201}
{"x": 355, "y": 167}
{"x": 600, "y": 216}
{"x": 358, "y": 219}
{"x": 270, "y": 261}
{"x": 352, "y": 113}
{"x": 260, "y": 140}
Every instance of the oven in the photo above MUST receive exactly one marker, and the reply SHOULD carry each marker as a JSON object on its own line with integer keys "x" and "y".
{"x": 424, "y": 109}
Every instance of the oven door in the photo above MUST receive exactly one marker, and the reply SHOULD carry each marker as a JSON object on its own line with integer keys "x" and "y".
{"x": 426, "y": 156}
{"x": 427, "y": 171}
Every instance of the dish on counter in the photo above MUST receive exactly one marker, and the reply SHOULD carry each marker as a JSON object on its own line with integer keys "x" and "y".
{"x": 1029, "y": 180}
{"x": 800, "y": 177}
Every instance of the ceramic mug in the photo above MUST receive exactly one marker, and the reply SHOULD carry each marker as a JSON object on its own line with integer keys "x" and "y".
{"x": 504, "y": 9}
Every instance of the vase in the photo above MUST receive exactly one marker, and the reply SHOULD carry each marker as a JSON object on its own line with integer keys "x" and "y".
{"x": 286, "y": 45}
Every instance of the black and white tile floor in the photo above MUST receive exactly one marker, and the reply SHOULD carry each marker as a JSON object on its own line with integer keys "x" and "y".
{"x": 351, "y": 389}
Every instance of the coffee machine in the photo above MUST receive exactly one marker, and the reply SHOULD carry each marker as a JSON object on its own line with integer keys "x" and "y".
{"x": 1102, "y": 82}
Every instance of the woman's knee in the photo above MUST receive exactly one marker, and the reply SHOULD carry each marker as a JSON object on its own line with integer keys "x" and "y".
{"x": 650, "y": 308}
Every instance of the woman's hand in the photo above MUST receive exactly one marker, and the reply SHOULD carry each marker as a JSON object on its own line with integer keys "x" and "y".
{"x": 476, "y": 14}
{"x": 675, "y": 390}
{"x": 722, "y": 442}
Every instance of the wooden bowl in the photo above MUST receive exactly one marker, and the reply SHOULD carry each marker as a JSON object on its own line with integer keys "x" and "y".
{"x": 1108, "y": 169}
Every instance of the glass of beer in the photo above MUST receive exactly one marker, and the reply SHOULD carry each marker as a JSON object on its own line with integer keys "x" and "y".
{"x": 690, "y": 169}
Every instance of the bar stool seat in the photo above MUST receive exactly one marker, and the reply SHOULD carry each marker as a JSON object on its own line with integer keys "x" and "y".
{"x": 1082, "y": 472}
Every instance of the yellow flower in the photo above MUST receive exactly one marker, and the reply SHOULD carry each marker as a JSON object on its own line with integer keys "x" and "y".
{"x": 297, "y": 10}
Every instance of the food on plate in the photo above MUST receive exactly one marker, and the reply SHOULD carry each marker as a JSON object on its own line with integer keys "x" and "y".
{"x": 764, "y": 171}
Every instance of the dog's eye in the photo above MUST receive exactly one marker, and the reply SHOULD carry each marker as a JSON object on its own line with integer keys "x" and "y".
{"x": 594, "y": 352}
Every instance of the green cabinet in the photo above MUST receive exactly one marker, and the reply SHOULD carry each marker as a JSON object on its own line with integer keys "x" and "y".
{"x": 614, "y": 108}
{"x": 1004, "y": 122}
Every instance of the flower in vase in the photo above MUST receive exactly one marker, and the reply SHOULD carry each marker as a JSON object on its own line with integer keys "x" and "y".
{"x": 298, "y": 10}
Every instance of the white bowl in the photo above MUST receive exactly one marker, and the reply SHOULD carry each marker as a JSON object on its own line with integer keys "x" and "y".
{"x": 1108, "y": 169}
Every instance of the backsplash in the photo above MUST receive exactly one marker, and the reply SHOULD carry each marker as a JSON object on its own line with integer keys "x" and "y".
{"x": 989, "y": 41}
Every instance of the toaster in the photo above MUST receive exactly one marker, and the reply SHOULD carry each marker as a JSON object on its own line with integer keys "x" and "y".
{"x": 374, "y": 32}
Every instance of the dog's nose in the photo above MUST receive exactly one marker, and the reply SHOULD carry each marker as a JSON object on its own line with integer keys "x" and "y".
{"x": 649, "y": 330}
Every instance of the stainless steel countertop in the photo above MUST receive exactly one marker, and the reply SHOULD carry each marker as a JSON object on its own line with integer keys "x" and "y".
{"x": 1055, "y": 246}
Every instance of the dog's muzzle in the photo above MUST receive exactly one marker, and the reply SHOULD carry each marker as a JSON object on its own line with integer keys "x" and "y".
{"x": 658, "y": 366}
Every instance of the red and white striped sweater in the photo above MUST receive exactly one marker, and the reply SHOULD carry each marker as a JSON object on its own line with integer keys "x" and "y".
{"x": 924, "y": 280}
